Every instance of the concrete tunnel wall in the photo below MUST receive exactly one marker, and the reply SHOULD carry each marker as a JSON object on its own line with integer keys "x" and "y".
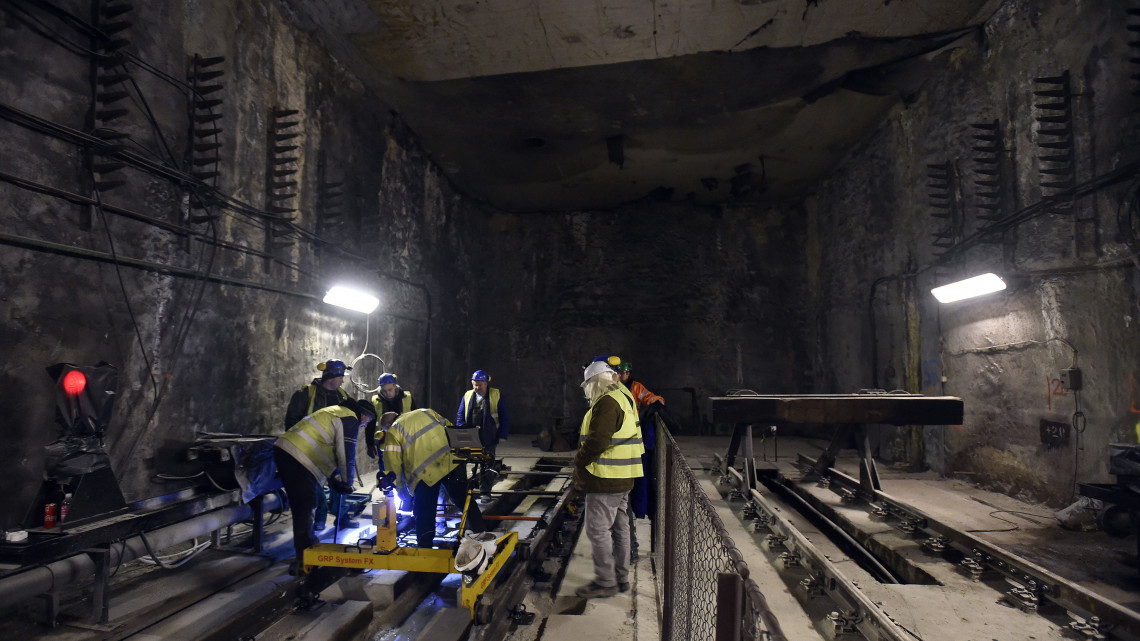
{"x": 1072, "y": 273}
{"x": 245, "y": 349}
{"x": 700, "y": 298}
{"x": 753, "y": 295}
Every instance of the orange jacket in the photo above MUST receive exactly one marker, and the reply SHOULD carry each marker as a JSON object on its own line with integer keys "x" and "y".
{"x": 643, "y": 396}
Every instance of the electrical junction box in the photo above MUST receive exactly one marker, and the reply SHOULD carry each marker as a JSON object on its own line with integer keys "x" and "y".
{"x": 1071, "y": 379}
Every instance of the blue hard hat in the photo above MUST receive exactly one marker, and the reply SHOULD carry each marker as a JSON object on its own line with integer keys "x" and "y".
{"x": 612, "y": 361}
{"x": 332, "y": 369}
{"x": 480, "y": 375}
{"x": 385, "y": 378}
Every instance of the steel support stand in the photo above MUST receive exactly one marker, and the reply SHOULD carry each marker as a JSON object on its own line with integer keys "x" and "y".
{"x": 51, "y": 607}
{"x": 101, "y": 595}
{"x": 868, "y": 473}
{"x": 258, "y": 535}
{"x": 749, "y": 461}
{"x": 668, "y": 553}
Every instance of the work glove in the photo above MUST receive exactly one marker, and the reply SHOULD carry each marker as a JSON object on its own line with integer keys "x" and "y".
{"x": 405, "y": 497}
{"x": 371, "y": 451}
{"x": 340, "y": 486}
{"x": 576, "y": 481}
{"x": 385, "y": 480}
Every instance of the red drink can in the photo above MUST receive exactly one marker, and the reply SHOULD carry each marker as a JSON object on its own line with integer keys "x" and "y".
{"x": 49, "y": 516}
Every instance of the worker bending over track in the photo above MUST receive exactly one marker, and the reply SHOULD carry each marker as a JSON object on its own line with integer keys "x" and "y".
{"x": 318, "y": 447}
{"x": 418, "y": 459}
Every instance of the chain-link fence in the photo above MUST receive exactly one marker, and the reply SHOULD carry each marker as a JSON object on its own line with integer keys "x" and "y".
{"x": 702, "y": 577}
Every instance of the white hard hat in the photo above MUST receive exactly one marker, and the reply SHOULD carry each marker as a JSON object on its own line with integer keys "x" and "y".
{"x": 475, "y": 552}
{"x": 595, "y": 368}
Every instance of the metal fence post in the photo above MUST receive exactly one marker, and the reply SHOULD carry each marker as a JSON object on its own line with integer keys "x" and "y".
{"x": 668, "y": 553}
{"x": 729, "y": 606}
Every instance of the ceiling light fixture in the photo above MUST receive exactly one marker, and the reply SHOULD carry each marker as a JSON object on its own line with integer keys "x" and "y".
{"x": 969, "y": 288}
{"x": 353, "y": 299}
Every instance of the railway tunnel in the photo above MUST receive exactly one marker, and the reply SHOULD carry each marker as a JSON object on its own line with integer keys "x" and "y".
{"x": 773, "y": 209}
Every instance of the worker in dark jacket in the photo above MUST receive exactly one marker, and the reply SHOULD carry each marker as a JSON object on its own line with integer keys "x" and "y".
{"x": 607, "y": 462}
{"x": 320, "y": 446}
{"x": 641, "y": 499}
{"x": 482, "y": 407}
{"x": 390, "y": 397}
{"x": 321, "y": 392}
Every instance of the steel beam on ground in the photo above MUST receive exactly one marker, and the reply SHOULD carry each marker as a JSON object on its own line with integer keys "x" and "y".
{"x": 890, "y": 409}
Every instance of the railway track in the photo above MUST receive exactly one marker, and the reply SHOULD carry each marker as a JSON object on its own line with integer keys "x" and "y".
{"x": 229, "y": 594}
{"x": 535, "y": 506}
{"x": 883, "y": 560}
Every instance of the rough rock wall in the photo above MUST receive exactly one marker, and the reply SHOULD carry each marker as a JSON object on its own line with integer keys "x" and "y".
{"x": 700, "y": 300}
{"x": 1072, "y": 298}
{"x": 221, "y": 320}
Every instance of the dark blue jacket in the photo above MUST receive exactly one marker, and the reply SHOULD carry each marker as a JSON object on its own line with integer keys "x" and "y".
{"x": 492, "y": 432}
{"x": 642, "y": 498}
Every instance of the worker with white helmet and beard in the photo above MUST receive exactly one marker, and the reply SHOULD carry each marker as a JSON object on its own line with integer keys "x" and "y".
{"x": 607, "y": 461}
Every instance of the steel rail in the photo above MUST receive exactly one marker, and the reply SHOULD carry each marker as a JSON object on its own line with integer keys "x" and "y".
{"x": 1125, "y": 623}
{"x": 824, "y": 576}
{"x": 495, "y": 611}
{"x": 532, "y": 552}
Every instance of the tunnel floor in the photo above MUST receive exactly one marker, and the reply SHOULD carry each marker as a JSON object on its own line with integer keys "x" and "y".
{"x": 229, "y": 578}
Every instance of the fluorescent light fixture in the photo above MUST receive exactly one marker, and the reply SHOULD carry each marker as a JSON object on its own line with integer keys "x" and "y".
{"x": 969, "y": 288}
{"x": 353, "y": 299}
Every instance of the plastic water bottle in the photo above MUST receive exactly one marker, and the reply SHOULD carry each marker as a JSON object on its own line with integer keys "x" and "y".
{"x": 64, "y": 507}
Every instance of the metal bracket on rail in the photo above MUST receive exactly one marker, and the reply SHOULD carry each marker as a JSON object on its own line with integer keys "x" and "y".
{"x": 1024, "y": 597}
{"x": 1091, "y": 628}
{"x": 520, "y": 615}
{"x": 845, "y": 623}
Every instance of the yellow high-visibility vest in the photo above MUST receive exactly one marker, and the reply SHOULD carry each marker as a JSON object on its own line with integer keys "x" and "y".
{"x": 416, "y": 449}
{"x": 622, "y": 459}
{"x": 405, "y": 404}
{"x": 492, "y": 400}
{"x": 317, "y": 441}
{"x": 313, "y": 396}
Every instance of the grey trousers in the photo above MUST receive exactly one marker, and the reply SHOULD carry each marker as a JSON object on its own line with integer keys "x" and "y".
{"x": 632, "y": 530}
{"x": 607, "y": 528}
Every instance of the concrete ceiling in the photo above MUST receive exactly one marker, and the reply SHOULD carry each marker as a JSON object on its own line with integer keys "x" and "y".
{"x": 549, "y": 105}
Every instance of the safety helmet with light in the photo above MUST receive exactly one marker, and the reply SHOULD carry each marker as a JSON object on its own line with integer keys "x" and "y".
{"x": 386, "y": 378}
{"x": 480, "y": 375}
{"x": 612, "y": 361}
{"x": 332, "y": 369}
{"x": 624, "y": 366}
{"x": 595, "y": 368}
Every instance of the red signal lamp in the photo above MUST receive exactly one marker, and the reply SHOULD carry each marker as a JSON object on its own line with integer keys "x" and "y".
{"x": 74, "y": 382}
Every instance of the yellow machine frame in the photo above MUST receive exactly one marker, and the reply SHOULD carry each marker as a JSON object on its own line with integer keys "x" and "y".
{"x": 387, "y": 555}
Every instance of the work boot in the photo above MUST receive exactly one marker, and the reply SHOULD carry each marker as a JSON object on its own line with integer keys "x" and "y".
{"x": 594, "y": 591}
{"x": 623, "y": 586}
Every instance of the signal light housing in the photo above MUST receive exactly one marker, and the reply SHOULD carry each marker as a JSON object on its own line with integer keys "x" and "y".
{"x": 74, "y": 382}
{"x": 84, "y": 397}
